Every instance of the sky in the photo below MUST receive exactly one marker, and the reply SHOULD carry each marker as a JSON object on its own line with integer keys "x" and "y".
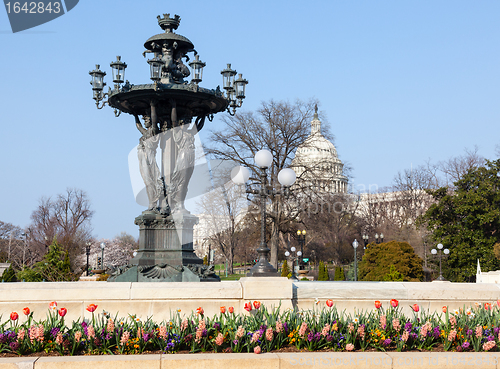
{"x": 400, "y": 83}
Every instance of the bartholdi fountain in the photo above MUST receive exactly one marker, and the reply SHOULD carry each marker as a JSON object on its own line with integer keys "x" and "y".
{"x": 172, "y": 111}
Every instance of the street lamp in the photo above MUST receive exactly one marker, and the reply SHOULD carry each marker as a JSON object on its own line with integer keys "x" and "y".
{"x": 103, "y": 245}
{"x": 355, "y": 245}
{"x": 365, "y": 240}
{"x": 302, "y": 242}
{"x": 293, "y": 258}
{"x": 87, "y": 250}
{"x": 381, "y": 238}
{"x": 286, "y": 177}
{"x": 441, "y": 251}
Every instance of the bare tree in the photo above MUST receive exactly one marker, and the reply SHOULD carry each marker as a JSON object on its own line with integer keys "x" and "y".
{"x": 279, "y": 127}
{"x": 66, "y": 218}
{"x": 455, "y": 168}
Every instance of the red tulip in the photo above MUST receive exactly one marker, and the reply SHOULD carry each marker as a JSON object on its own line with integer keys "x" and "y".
{"x": 91, "y": 307}
{"x": 394, "y": 303}
{"x": 223, "y": 309}
{"x": 14, "y": 315}
{"x": 256, "y": 304}
{"x": 329, "y": 303}
{"x": 26, "y": 311}
{"x": 200, "y": 311}
{"x": 63, "y": 311}
{"x": 445, "y": 309}
{"x": 487, "y": 306}
{"x": 248, "y": 306}
{"x": 378, "y": 304}
{"x": 231, "y": 309}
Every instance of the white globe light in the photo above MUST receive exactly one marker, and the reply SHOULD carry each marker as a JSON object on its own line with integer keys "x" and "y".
{"x": 434, "y": 251}
{"x": 287, "y": 177}
{"x": 240, "y": 174}
{"x": 263, "y": 158}
{"x": 440, "y": 246}
{"x": 355, "y": 244}
{"x": 293, "y": 249}
{"x": 446, "y": 251}
{"x": 299, "y": 253}
{"x": 287, "y": 253}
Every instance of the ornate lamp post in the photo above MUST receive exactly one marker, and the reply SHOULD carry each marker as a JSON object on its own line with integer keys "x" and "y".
{"x": 441, "y": 251}
{"x": 293, "y": 258}
{"x": 103, "y": 245}
{"x": 355, "y": 245}
{"x": 302, "y": 241}
{"x": 286, "y": 177}
{"x": 381, "y": 238}
{"x": 365, "y": 240}
{"x": 87, "y": 251}
{"x": 173, "y": 111}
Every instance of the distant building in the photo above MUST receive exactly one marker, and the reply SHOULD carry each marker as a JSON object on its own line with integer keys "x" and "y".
{"x": 316, "y": 162}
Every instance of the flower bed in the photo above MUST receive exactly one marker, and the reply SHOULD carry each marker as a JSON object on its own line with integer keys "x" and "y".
{"x": 259, "y": 330}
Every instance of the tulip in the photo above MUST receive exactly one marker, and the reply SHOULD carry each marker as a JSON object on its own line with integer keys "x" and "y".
{"x": 445, "y": 309}
{"x": 200, "y": 311}
{"x": 329, "y": 303}
{"x": 91, "y": 307}
{"x": 223, "y": 309}
{"x": 394, "y": 303}
{"x": 256, "y": 304}
{"x": 14, "y": 315}
{"x": 378, "y": 304}
{"x": 26, "y": 311}
{"x": 248, "y": 306}
{"x": 487, "y": 306}
{"x": 231, "y": 309}
{"x": 415, "y": 308}
{"x": 63, "y": 311}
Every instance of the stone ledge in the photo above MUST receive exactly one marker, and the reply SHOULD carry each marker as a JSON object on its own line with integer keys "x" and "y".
{"x": 316, "y": 360}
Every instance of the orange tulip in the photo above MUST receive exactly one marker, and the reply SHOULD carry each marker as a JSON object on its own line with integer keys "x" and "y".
{"x": 487, "y": 306}
{"x": 231, "y": 309}
{"x": 91, "y": 307}
{"x": 223, "y": 309}
{"x": 26, "y": 311}
{"x": 14, "y": 315}
{"x": 329, "y": 303}
{"x": 394, "y": 303}
{"x": 200, "y": 311}
{"x": 63, "y": 311}
{"x": 445, "y": 309}
{"x": 256, "y": 304}
{"x": 378, "y": 304}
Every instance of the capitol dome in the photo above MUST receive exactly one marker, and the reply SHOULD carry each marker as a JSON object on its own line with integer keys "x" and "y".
{"x": 316, "y": 161}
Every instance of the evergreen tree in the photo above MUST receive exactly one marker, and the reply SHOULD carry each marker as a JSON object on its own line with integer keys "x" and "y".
{"x": 205, "y": 260}
{"x": 9, "y": 275}
{"x": 285, "y": 272}
{"x": 322, "y": 272}
{"x": 339, "y": 274}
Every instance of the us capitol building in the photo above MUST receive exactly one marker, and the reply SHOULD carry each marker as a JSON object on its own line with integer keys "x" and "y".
{"x": 317, "y": 163}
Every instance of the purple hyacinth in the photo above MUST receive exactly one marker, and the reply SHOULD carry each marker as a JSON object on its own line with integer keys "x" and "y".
{"x": 408, "y": 327}
{"x": 310, "y": 336}
{"x": 216, "y": 326}
{"x": 14, "y": 346}
{"x": 235, "y": 342}
{"x": 496, "y": 330}
{"x": 469, "y": 332}
{"x": 54, "y": 332}
{"x": 491, "y": 338}
{"x": 387, "y": 342}
{"x": 436, "y": 332}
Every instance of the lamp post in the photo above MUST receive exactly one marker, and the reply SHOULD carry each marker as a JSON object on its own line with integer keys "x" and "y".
{"x": 355, "y": 245}
{"x": 173, "y": 109}
{"x": 441, "y": 252}
{"x": 87, "y": 250}
{"x": 377, "y": 238}
{"x": 286, "y": 177}
{"x": 293, "y": 258}
{"x": 302, "y": 242}
{"x": 103, "y": 245}
{"x": 365, "y": 240}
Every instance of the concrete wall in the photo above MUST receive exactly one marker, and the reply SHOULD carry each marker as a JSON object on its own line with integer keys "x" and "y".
{"x": 160, "y": 299}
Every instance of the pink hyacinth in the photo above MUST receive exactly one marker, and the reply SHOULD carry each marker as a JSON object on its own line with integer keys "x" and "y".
{"x": 36, "y": 333}
{"x": 349, "y": 347}
{"x": 405, "y": 336}
{"x": 20, "y": 334}
{"x": 59, "y": 338}
{"x": 90, "y": 331}
{"x": 78, "y": 336}
{"x": 350, "y": 327}
{"x": 125, "y": 337}
{"x": 110, "y": 328}
{"x": 240, "y": 332}
{"x": 279, "y": 326}
{"x": 303, "y": 329}
{"x": 479, "y": 331}
{"x": 220, "y": 339}
{"x": 395, "y": 324}
{"x": 202, "y": 324}
{"x": 453, "y": 321}
{"x": 269, "y": 334}
{"x": 326, "y": 330}
{"x": 255, "y": 337}
{"x": 162, "y": 332}
{"x": 383, "y": 321}
{"x": 488, "y": 345}
{"x": 184, "y": 324}
{"x": 452, "y": 335}
{"x": 425, "y": 328}
{"x": 361, "y": 332}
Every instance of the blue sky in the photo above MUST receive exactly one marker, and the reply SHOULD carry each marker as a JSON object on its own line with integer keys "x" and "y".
{"x": 400, "y": 82}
